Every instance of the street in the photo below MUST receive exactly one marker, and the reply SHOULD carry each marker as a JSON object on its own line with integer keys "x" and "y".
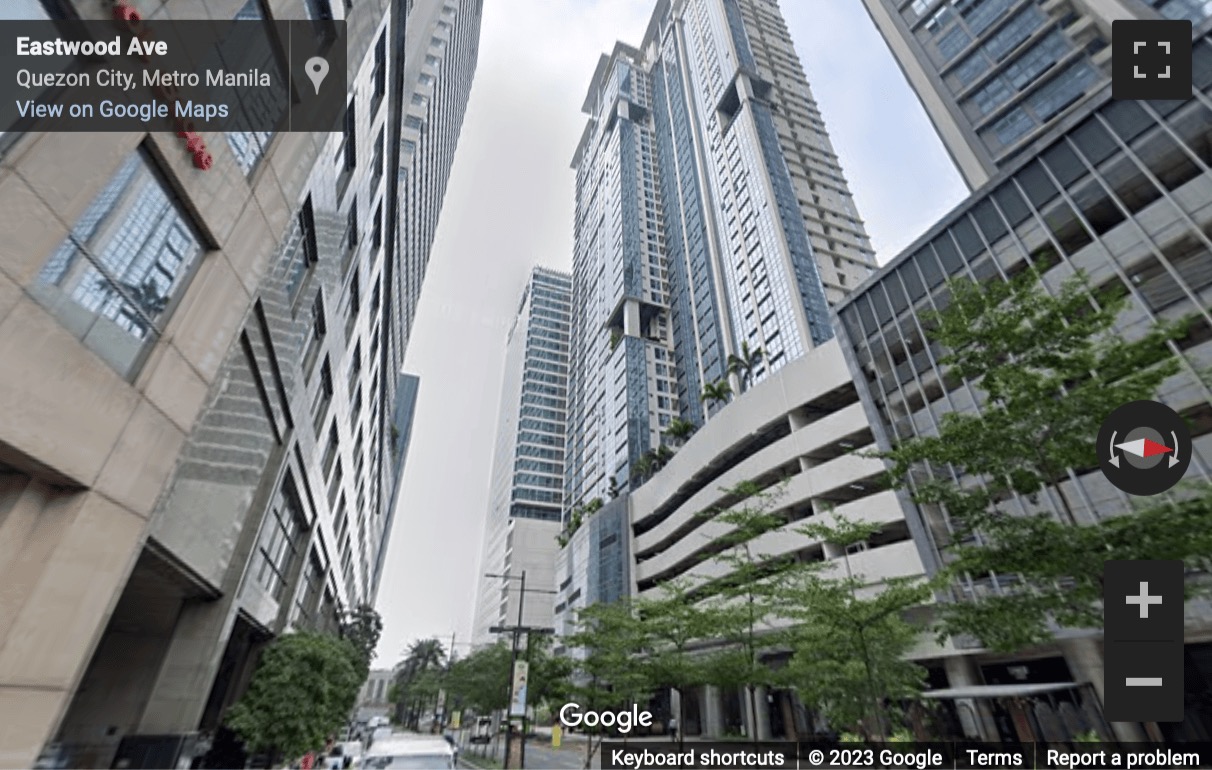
{"x": 539, "y": 755}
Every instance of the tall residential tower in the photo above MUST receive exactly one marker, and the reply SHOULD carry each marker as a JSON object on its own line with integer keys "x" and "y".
{"x": 528, "y": 466}
{"x": 711, "y": 214}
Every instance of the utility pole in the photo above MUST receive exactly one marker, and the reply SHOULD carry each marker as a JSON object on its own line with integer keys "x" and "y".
{"x": 516, "y": 633}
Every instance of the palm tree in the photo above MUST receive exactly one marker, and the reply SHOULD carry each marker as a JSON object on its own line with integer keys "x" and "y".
{"x": 679, "y": 430}
{"x": 661, "y": 456}
{"x": 716, "y": 392}
{"x": 744, "y": 364}
{"x": 422, "y": 656}
{"x": 642, "y": 468}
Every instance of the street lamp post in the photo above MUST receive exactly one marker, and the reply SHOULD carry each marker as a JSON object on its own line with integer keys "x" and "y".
{"x": 516, "y": 632}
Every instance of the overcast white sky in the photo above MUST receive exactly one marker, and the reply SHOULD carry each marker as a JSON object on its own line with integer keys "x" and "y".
{"x": 510, "y": 206}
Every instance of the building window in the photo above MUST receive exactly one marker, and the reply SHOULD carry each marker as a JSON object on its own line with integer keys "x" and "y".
{"x": 355, "y": 305}
{"x": 379, "y": 76}
{"x": 280, "y": 537}
{"x": 316, "y": 340}
{"x": 309, "y": 592}
{"x": 355, "y": 367}
{"x": 305, "y": 254}
{"x": 377, "y": 164}
{"x": 349, "y": 243}
{"x": 330, "y": 450}
{"x": 115, "y": 279}
{"x": 377, "y": 239}
{"x": 319, "y": 407}
{"x": 348, "y": 153}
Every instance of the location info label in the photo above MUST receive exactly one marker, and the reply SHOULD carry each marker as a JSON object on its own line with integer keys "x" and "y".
{"x": 157, "y": 75}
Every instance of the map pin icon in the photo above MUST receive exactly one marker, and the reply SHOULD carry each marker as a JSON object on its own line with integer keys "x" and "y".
{"x": 317, "y": 69}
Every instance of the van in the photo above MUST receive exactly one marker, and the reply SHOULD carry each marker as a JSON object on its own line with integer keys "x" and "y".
{"x": 481, "y": 732}
{"x": 409, "y": 752}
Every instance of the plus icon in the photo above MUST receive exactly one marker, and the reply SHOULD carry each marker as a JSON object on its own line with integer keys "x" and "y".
{"x": 1150, "y": 59}
{"x": 1144, "y": 600}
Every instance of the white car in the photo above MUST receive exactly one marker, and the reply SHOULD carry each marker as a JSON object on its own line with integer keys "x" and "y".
{"x": 344, "y": 756}
{"x": 409, "y": 752}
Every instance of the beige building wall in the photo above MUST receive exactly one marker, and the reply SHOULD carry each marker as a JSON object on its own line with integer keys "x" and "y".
{"x": 85, "y": 453}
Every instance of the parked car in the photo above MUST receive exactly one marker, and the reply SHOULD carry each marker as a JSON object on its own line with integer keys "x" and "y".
{"x": 344, "y": 756}
{"x": 481, "y": 732}
{"x": 410, "y": 752}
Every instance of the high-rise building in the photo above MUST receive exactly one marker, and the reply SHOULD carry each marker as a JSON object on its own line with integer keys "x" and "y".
{"x": 994, "y": 75}
{"x": 437, "y": 44}
{"x": 711, "y": 214}
{"x": 528, "y": 465}
{"x": 196, "y": 454}
{"x": 1120, "y": 191}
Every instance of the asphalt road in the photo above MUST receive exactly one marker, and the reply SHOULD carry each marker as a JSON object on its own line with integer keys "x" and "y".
{"x": 539, "y": 756}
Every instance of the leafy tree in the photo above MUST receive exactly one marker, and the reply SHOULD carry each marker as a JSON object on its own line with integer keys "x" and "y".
{"x": 849, "y": 640}
{"x": 750, "y": 587}
{"x": 303, "y": 689}
{"x": 480, "y": 679}
{"x": 716, "y": 392}
{"x": 612, "y": 638}
{"x": 362, "y": 626}
{"x": 672, "y": 623}
{"x": 643, "y": 467}
{"x": 1049, "y": 369}
{"x": 745, "y": 362}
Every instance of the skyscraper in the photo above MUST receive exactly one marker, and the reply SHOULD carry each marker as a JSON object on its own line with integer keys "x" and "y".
{"x": 994, "y": 75}
{"x": 201, "y": 458}
{"x": 437, "y": 45}
{"x": 711, "y": 214}
{"x": 528, "y": 465}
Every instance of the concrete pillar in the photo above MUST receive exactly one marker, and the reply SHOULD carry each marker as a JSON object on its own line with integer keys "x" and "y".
{"x": 675, "y": 710}
{"x": 188, "y": 672}
{"x": 1085, "y": 660}
{"x": 711, "y": 712}
{"x": 762, "y": 699}
{"x": 631, "y": 318}
{"x": 962, "y": 672}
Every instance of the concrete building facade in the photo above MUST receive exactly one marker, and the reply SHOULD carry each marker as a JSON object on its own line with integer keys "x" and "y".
{"x": 799, "y": 436}
{"x": 1121, "y": 191}
{"x": 189, "y": 472}
{"x": 710, "y": 213}
{"x": 994, "y": 75}
{"x": 528, "y": 465}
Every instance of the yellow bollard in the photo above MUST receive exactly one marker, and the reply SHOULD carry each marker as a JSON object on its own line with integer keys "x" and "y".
{"x": 555, "y": 736}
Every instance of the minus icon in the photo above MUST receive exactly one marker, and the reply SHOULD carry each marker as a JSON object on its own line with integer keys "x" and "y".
{"x": 1144, "y": 681}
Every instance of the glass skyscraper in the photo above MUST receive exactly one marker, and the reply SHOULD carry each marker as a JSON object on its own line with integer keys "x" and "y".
{"x": 528, "y": 464}
{"x": 993, "y": 75}
{"x": 711, "y": 213}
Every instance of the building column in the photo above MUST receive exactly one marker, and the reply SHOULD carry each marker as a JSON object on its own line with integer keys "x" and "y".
{"x": 762, "y": 699}
{"x": 711, "y": 713}
{"x": 962, "y": 672}
{"x": 1085, "y": 660}
{"x": 188, "y": 673}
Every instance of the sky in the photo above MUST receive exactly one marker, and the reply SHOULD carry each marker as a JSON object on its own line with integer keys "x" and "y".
{"x": 509, "y": 207}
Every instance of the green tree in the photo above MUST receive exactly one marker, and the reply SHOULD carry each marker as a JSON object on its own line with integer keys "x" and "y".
{"x": 672, "y": 623}
{"x": 750, "y": 587}
{"x": 302, "y": 691}
{"x": 481, "y": 679}
{"x": 613, "y": 639}
{"x": 362, "y": 626}
{"x": 1048, "y": 369}
{"x": 848, "y": 638}
{"x": 414, "y": 684}
{"x": 744, "y": 363}
{"x": 716, "y": 392}
{"x": 679, "y": 430}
